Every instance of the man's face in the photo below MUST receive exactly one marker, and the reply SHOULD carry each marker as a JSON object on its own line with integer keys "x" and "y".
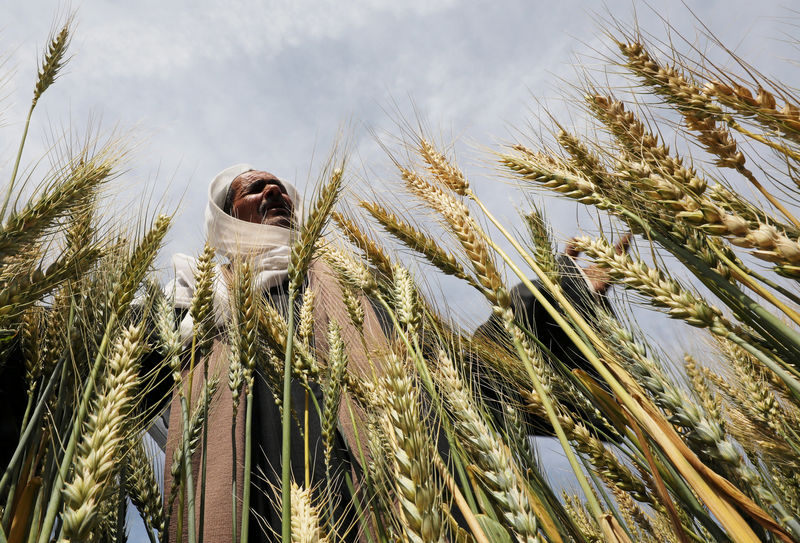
{"x": 260, "y": 197}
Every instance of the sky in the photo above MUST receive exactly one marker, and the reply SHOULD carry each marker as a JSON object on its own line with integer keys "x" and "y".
{"x": 201, "y": 85}
{"x": 204, "y": 84}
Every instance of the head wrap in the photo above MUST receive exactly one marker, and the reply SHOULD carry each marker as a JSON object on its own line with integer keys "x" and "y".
{"x": 266, "y": 246}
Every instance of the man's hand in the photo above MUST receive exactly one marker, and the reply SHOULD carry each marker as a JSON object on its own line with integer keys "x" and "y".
{"x": 598, "y": 277}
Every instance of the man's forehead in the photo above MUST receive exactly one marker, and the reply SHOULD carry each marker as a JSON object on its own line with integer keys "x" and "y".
{"x": 251, "y": 176}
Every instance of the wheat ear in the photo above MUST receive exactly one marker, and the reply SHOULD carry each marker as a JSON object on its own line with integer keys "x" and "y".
{"x": 468, "y": 233}
{"x": 543, "y": 245}
{"x": 414, "y": 472}
{"x": 374, "y": 252}
{"x": 72, "y": 187}
{"x": 306, "y": 527}
{"x": 303, "y": 249}
{"x": 201, "y": 308}
{"x": 417, "y": 241}
{"x": 442, "y": 169}
{"x": 103, "y": 436}
{"x": 496, "y": 468}
{"x": 51, "y": 64}
{"x": 143, "y": 489}
{"x": 196, "y": 424}
{"x": 332, "y": 392}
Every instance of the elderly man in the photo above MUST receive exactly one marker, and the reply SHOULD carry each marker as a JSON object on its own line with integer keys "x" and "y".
{"x": 251, "y": 212}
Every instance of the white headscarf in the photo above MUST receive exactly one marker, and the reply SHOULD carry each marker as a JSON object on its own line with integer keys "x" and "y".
{"x": 266, "y": 246}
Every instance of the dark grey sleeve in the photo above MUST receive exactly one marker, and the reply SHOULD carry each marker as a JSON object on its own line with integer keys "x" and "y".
{"x": 534, "y": 317}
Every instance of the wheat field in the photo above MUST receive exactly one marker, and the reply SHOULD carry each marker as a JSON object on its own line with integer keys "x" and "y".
{"x": 661, "y": 449}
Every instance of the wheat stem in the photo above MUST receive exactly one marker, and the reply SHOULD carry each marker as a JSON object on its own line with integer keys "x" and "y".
{"x": 248, "y": 456}
{"x": 761, "y": 139}
{"x": 188, "y": 478}
{"x": 51, "y": 64}
{"x": 234, "y": 495}
{"x": 16, "y": 163}
{"x": 547, "y": 404}
{"x": 286, "y": 449}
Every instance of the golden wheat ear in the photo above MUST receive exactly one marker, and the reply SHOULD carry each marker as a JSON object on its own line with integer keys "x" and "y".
{"x": 303, "y": 249}
{"x": 53, "y": 61}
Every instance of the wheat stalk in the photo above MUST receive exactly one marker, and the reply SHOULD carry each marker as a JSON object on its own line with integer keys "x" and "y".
{"x": 355, "y": 310}
{"x": 121, "y": 296}
{"x": 274, "y": 327}
{"x": 103, "y": 437}
{"x": 496, "y": 467}
{"x": 143, "y": 489}
{"x": 709, "y": 401}
{"x": 332, "y": 388}
{"x": 415, "y": 486}
{"x": 300, "y": 256}
{"x": 53, "y": 61}
{"x": 585, "y": 523}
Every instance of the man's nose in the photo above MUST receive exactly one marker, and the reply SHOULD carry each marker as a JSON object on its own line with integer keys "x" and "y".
{"x": 271, "y": 191}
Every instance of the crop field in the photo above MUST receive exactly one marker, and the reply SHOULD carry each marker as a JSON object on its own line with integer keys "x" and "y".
{"x": 435, "y": 421}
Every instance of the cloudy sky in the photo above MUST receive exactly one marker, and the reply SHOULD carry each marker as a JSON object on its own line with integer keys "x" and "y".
{"x": 206, "y": 84}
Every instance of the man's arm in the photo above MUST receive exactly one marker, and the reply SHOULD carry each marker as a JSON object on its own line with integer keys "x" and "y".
{"x": 585, "y": 289}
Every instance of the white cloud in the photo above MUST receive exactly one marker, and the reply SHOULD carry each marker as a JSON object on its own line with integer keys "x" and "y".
{"x": 270, "y": 83}
{"x": 155, "y": 39}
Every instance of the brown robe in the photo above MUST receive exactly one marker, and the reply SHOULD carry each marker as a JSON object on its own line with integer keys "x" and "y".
{"x": 218, "y": 514}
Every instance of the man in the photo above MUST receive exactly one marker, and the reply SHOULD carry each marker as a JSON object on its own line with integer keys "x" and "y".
{"x": 252, "y": 212}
